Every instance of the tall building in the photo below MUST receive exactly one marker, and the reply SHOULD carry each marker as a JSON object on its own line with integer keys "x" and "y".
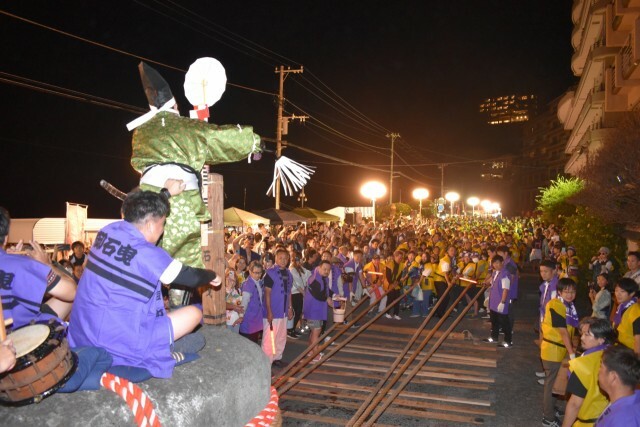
{"x": 509, "y": 109}
{"x": 606, "y": 40}
{"x": 543, "y": 158}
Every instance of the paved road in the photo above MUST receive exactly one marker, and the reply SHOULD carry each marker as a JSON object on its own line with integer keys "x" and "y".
{"x": 515, "y": 396}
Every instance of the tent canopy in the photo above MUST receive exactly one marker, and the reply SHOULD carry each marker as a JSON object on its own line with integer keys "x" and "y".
{"x": 235, "y": 217}
{"x": 316, "y": 215}
{"x": 280, "y": 217}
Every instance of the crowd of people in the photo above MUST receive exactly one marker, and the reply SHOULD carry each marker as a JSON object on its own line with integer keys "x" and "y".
{"x": 282, "y": 281}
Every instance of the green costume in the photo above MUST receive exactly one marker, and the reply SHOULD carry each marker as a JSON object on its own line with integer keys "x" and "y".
{"x": 170, "y": 139}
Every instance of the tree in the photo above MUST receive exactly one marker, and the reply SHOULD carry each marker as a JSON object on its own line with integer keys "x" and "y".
{"x": 612, "y": 176}
{"x": 555, "y": 202}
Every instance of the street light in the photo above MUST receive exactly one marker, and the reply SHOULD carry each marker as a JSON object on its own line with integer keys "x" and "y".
{"x": 373, "y": 190}
{"x": 473, "y": 202}
{"x": 452, "y": 197}
{"x": 486, "y": 205}
{"x": 420, "y": 194}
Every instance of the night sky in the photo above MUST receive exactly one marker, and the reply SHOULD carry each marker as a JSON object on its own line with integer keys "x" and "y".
{"x": 416, "y": 68}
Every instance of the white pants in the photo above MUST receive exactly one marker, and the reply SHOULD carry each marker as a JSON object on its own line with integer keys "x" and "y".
{"x": 280, "y": 338}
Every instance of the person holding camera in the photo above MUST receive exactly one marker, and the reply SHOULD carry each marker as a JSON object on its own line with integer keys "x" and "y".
{"x": 600, "y": 297}
{"x": 601, "y": 263}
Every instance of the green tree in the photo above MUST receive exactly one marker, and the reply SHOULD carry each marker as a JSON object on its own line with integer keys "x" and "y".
{"x": 554, "y": 200}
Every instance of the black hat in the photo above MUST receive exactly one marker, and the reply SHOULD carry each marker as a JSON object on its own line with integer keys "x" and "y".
{"x": 155, "y": 87}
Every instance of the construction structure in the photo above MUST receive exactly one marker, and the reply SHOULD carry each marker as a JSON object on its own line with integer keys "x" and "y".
{"x": 509, "y": 109}
{"x": 606, "y": 41}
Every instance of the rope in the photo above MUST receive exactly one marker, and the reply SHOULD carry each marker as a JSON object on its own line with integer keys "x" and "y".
{"x": 268, "y": 414}
{"x": 136, "y": 399}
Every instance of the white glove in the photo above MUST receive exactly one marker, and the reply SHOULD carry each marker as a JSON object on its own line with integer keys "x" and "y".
{"x": 572, "y": 356}
{"x": 501, "y": 307}
{"x": 216, "y": 282}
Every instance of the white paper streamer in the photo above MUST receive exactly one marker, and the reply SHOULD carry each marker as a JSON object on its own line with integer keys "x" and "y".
{"x": 292, "y": 175}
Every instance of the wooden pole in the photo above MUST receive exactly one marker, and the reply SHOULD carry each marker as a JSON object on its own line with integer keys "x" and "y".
{"x": 3, "y": 330}
{"x": 291, "y": 366}
{"x": 213, "y": 300}
{"x": 308, "y": 369}
{"x": 406, "y": 349}
{"x": 384, "y": 405}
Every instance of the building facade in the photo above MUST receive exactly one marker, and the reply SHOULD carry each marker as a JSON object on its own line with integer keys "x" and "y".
{"x": 509, "y": 109}
{"x": 543, "y": 155}
{"x": 606, "y": 41}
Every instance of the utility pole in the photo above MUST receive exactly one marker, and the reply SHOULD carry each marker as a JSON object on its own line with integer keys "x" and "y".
{"x": 302, "y": 197}
{"x": 442, "y": 165}
{"x": 393, "y": 137}
{"x": 279, "y": 128}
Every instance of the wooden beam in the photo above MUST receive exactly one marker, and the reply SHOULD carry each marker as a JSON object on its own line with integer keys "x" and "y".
{"x": 441, "y": 369}
{"x": 420, "y": 374}
{"x": 449, "y": 343}
{"x": 397, "y": 411}
{"x": 321, "y": 419}
{"x": 416, "y": 395}
{"x": 440, "y": 357}
{"x": 412, "y": 403}
{"x": 375, "y": 375}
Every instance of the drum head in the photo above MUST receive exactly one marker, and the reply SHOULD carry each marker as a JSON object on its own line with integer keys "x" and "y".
{"x": 28, "y": 338}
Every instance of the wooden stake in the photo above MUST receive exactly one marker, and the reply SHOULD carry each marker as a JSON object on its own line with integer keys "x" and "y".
{"x": 213, "y": 300}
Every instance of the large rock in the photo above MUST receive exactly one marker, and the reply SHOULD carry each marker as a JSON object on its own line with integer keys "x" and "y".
{"x": 227, "y": 386}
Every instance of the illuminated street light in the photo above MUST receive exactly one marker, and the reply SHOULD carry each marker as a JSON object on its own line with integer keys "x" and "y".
{"x": 452, "y": 197}
{"x": 420, "y": 194}
{"x": 473, "y": 202}
{"x": 373, "y": 190}
{"x": 486, "y": 205}
{"x": 496, "y": 207}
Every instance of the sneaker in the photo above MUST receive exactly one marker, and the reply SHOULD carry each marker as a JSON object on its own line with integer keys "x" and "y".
{"x": 541, "y": 381}
{"x": 327, "y": 339}
{"x": 540, "y": 374}
{"x": 550, "y": 423}
{"x": 316, "y": 359}
{"x": 559, "y": 413}
{"x": 345, "y": 322}
{"x": 415, "y": 315}
{"x": 397, "y": 317}
{"x": 489, "y": 340}
{"x": 505, "y": 344}
{"x": 278, "y": 363}
{"x": 486, "y": 317}
{"x": 293, "y": 335}
{"x": 388, "y": 316}
{"x": 355, "y": 325}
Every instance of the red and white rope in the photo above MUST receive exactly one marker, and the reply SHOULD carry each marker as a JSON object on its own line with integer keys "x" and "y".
{"x": 136, "y": 399}
{"x": 268, "y": 414}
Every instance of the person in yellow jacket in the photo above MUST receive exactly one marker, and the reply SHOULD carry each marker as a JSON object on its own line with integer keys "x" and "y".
{"x": 394, "y": 271}
{"x": 469, "y": 271}
{"x": 376, "y": 281}
{"x": 627, "y": 318}
{"x": 587, "y": 401}
{"x": 558, "y": 325}
{"x": 444, "y": 277}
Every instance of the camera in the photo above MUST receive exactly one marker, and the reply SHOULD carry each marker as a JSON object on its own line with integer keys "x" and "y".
{"x": 593, "y": 286}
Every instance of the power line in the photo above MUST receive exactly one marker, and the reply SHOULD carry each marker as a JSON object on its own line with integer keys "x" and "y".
{"x": 113, "y": 49}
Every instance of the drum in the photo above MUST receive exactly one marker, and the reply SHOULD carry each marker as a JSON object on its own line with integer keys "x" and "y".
{"x": 44, "y": 363}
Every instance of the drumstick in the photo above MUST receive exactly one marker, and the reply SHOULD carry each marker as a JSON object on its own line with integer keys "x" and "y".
{"x": 375, "y": 273}
{"x": 3, "y": 331}
{"x": 467, "y": 280}
{"x": 273, "y": 339}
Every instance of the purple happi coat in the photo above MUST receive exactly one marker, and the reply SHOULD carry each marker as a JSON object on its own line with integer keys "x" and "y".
{"x": 119, "y": 304}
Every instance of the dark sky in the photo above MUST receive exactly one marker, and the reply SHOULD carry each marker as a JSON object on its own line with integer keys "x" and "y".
{"x": 418, "y": 68}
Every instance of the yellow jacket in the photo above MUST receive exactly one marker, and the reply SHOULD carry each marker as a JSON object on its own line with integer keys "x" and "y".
{"x": 625, "y": 328}
{"x": 552, "y": 347}
{"x": 586, "y": 368}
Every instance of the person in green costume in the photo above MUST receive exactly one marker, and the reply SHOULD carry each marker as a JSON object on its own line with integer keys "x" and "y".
{"x": 166, "y": 145}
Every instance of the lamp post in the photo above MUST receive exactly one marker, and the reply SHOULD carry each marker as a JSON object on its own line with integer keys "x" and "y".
{"x": 473, "y": 202}
{"x": 420, "y": 194}
{"x": 486, "y": 205}
{"x": 373, "y": 190}
{"x": 452, "y": 197}
{"x": 302, "y": 197}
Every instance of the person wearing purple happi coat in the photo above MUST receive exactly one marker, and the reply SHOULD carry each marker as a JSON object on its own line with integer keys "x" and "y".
{"x": 119, "y": 304}
{"x": 549, "y": 286}
{"x": 499, "y": 302}
{"x": 316, "y": 299}
{"x": 251, "y": 325}
{"x": 277, "y": 307}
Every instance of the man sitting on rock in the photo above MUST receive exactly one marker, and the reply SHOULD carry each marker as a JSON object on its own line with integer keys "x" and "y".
{"x": 119, "y": 303}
